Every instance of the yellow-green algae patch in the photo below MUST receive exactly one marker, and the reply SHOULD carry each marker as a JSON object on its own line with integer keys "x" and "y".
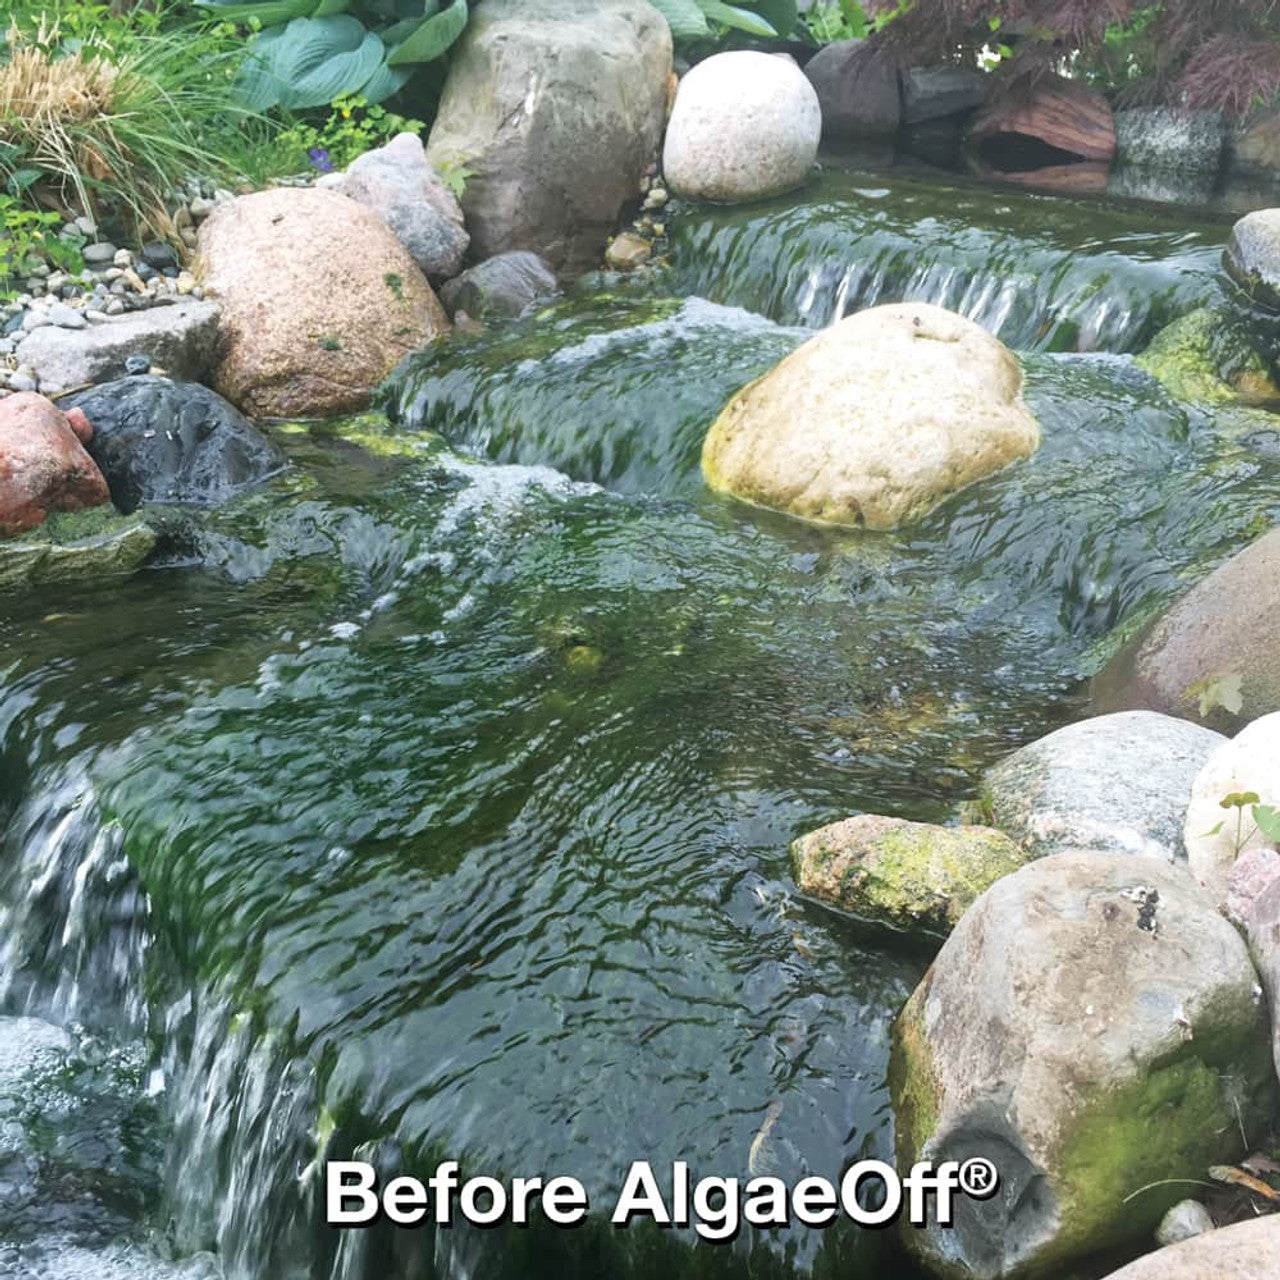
{"x": 80, "y": 546}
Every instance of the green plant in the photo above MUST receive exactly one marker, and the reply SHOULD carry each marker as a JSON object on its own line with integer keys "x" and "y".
{"x": 694, "y": 20}
{"x": 352, "y": 127}
{"x": 306, "y": 53}
{"x": 97, "y": 109}
{"x": 26, "y": 238}
{"x": 455, "y": 173}
{"x": 1266, "y": 819}
{"x": 846, "y": 20}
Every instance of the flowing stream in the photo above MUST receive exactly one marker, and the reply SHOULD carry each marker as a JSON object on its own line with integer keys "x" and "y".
{"x": 434, "y": 803}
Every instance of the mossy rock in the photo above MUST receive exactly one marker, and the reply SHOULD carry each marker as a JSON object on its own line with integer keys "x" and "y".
{"x": 905, "y": 875}
{"x": 1207, "y": 357}
{"x": 79, "y": 547}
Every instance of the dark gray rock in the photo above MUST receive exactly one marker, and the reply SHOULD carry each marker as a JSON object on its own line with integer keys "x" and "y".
{"x": 501, "y": 287}
{"x": 929, "y": 93}
{"x": 157, "y": 440}
{"x": 860, "y": 92}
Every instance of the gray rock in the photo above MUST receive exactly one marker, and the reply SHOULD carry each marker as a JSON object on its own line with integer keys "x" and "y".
{"x": 1246, "y": 1251}
{"x": 1119, "y": 783}
{"x": 66, "y": 317}
{"x": 557, "y": 109}
{"x": 501, "y": 287}
{"x": 1262, "y": 927}
{"x": 1252, "y": 258}
{"x": 22, "y": 380}
{"x": 180, "y": 338}
{"x": 745, "y": 125}
{"x": 930, "y": 93}
{"x": 1186, "y": 1219}
{"x": 98, "y": 255}
{"x": 1181, "y": 141}
{"x": 860, "y": 92}
{"x": 1092, "y": 1027}
{"x": 156, "y": 440}
{"x": 402, "y": 187}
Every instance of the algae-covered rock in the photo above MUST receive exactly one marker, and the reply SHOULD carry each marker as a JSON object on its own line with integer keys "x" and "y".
{"x": 1093, "y": 1027}
{"x": 874, "y": 422}
{"x": 78, "y": 547}
{"x": 1207, "y": 357}
{"x": 902, "y": 874}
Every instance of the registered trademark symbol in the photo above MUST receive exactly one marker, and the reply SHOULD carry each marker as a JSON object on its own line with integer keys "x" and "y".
{"x": 979, "y": 1178}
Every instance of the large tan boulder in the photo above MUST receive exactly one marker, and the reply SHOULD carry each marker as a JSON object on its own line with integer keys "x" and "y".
{"x": 1246, "y": 1251}
{"x": 319, "y": 302}
{"x": 1215, "y": 656}
{"x": 874, "y": 422}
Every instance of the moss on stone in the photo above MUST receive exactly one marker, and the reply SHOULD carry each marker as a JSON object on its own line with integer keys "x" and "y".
{"x": 80, "y": 546}
{"x": 1207, "y": 358}
{"x": 913, "y": 1083}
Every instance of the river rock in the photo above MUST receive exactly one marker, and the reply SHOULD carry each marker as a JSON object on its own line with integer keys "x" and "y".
{"x": 1215, "y": 837}
{"x": 907, "y": 875}
{"x": 1246, "y": 1251}
{"x": 1092, "y": 1026}
{"x": 162, "y": 441}
{"x": 181, "y": 338}
{"x": 1161, "y": 138}
{"x": 875, "y": 421}
{"x": 43, "y": 466}
{"x": 745, "y": 125}
{"x": 1252, "y": 258}
{"x": 556, "y": 108}
{"x": 1120, "y": 783}
{"x": 79, "y": 547}
{"x": 1214, "y": 656}
{"x": 1186, "y": 1219}
{"x": 859, "y": 92}
{"x": 932, "y": 93}
{"x": 402, "y": 187}
{"x": 501, "y": 287}
{"x": 319, "y": 301}
{"x": 1256, "y": 145}
{"x": 1063, "y": 114}
{"x": 1260, "y": 919}
{"x": 1208, "y": 356}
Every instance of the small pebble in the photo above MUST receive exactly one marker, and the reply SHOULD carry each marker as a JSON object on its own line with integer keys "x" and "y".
{"x": 123, "y": 258}
{"x": 66, "y": 317}
{"x": 136, "y": 364}
{"x": 114, "y": 307}
{"x": 86, "y": 226}
{"x": 23, "y": 380}
{"x": 101, "y": 254}
{"x": 159, "y": 255}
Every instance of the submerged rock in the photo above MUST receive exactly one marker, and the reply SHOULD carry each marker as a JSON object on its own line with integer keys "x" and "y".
{"x": 907, "y": 875}
{"x": 501, "y": 287}
{"x": 1248, "y": 764}
{"x": 43, "y": 465}
{"x": 1118, "y": 783}
{"x": 859, "y": 92}
{"x": 1213, "y": 657}
{"x": 319, "y": 301}
{"x": 1093, "y": 1027}
{"x": 556, "y": 109}
{"x": 1207, "y": 357}
{"x": 180, "y": 337}
{"x": 1246, "y": 1251}
{"x": 874, "y": 422}
{"x": 84, "y": 547}
{"x": 1186, "y": 1219}
{"x": 162, "y": 441}
{"x": 1252, "y": 257}
{"x": 745, "y": 125}
{"x": 403, "y": 188}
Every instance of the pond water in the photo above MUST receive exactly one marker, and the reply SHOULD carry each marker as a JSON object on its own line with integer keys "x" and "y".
{"x": 435, "y": 802}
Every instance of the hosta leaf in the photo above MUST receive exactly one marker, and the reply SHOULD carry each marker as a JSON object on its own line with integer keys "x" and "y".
{"x": 433, "y": 37}
{"x": 741, "y": 19}
{"x": 270, "y": 13}
{"x": 384, "y": 82}
{"x": 309, "y": 63}
{"x": 684, "y": 17}
{"x": 781, "y": 15}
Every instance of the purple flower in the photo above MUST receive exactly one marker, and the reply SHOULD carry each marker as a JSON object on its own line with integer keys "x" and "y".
{"x": 320, "y": 159}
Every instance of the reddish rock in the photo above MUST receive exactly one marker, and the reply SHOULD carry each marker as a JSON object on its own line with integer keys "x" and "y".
{"x": 43, "y": 465}
{"x": 1059, "y": 113}
{"x": 80, "y": 425}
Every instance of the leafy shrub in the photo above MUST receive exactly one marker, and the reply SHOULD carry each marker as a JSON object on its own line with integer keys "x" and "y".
{"x": 308, "y": 53}
{"x": 27, "y": 235}
{"x": 700, "y": 20}
{"x": 847, "y": 20}
{"x": 354, "y": 126}
{"x": 114, "y": 111}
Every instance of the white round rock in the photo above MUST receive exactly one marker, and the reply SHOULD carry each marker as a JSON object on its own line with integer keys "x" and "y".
{"x": 744, "y": 125}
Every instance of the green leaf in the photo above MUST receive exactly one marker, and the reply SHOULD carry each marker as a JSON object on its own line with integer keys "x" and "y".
{"x": 781, "y": 15}
{"x": 684, "y": 17}
{"x": 1239, "y": 800}
{"x": 433, "y": 37}
{"x": 384, "y": 82}
{"x": 271, "y": 13}
{"x": 309, "y": 63}
{"x": 1213, "y": 831}
{"x": 741, "y": 19}
{"x": 1268, "y": 819}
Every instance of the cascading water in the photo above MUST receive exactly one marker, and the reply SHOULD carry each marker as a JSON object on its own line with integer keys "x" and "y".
{"x": 437, "y": 806}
